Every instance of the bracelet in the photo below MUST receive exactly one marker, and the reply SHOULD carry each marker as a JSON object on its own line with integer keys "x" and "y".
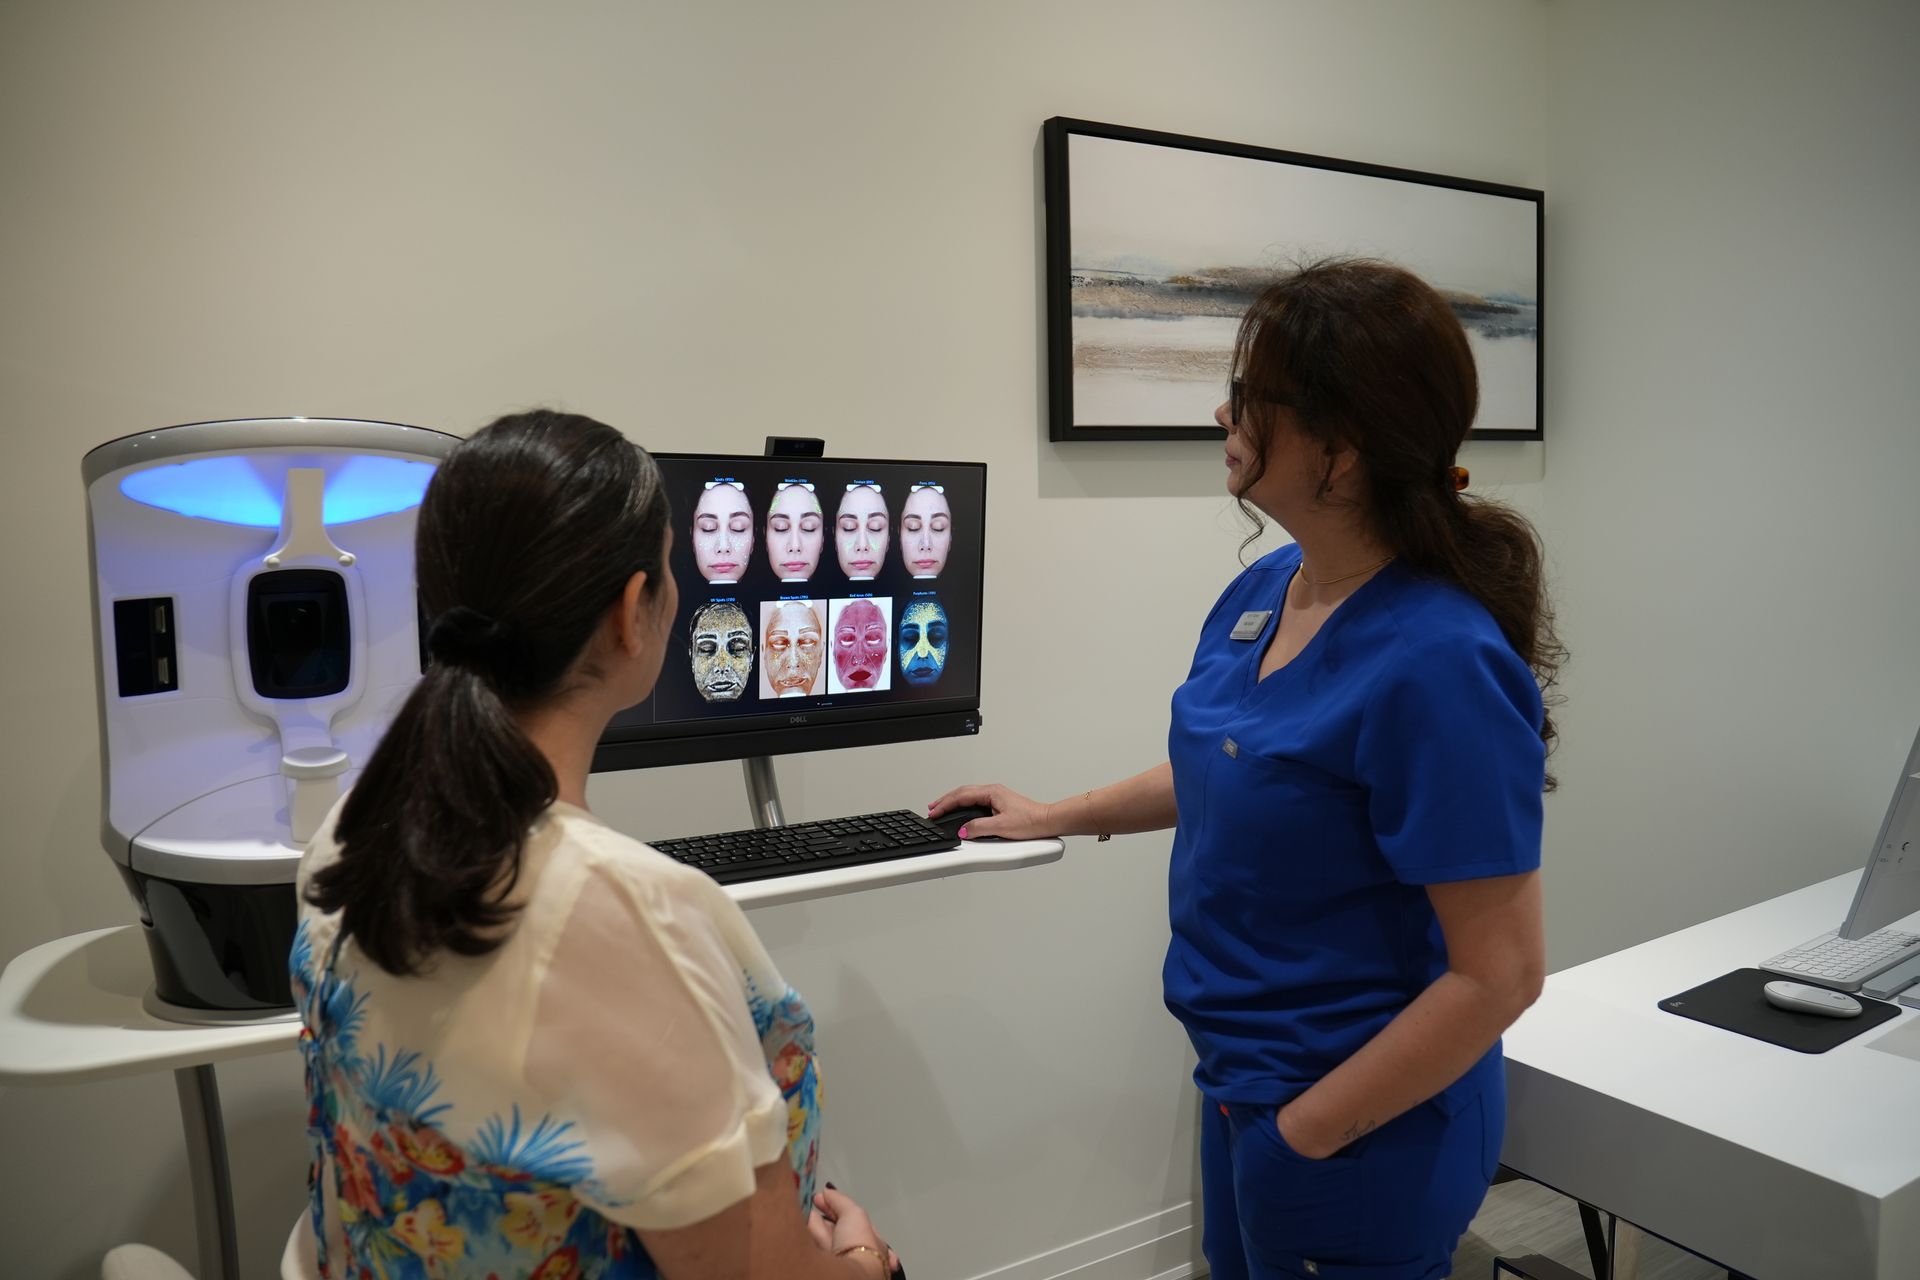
{"x": 1103, "y": 835}
{"x": 879, "y": 1255}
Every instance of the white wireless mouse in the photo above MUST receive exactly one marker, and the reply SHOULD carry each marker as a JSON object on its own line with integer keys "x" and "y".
{"x": 1802, "y": 997}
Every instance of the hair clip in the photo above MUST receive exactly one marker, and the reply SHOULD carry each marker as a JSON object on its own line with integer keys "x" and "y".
{"x": 1457, "y": 476}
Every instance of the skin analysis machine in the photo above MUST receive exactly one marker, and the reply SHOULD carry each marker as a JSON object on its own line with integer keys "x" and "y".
{"x": 255, "y": 629}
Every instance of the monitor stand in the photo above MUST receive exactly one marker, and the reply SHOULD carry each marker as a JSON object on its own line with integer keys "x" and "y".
{"x": 763, "y": 792}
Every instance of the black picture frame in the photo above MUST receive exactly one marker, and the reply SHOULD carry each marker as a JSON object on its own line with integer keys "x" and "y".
{"x": 1417, "y": 219}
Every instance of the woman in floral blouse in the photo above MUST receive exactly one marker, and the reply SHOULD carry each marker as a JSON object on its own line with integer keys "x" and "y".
{"x": 534, "y": 1046}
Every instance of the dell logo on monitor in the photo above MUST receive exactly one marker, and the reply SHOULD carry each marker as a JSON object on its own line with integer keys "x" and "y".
{"x": 796, "y": 719}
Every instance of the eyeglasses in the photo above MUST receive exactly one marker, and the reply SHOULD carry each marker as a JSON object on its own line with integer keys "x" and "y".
{"x": 715, "y": 484}
{"x": 785, "y": 485}
{"x": 1238, "y": 395}
{"x": 937, "y": 488}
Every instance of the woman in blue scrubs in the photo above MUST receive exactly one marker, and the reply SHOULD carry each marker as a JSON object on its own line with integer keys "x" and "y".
{"x": 1354, "y": 778}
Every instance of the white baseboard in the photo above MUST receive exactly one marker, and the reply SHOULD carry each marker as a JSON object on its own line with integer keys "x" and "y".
{"x": 1160, "y": 1246}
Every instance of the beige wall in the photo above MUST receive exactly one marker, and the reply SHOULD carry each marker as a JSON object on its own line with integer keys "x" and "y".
{"x": 1735, "y": 451}
{"x": 707, "y": 223}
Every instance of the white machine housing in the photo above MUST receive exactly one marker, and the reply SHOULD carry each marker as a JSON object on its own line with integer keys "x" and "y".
{"x": 256, "y": 626}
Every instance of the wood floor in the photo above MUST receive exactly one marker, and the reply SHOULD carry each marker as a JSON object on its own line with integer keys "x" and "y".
{"x": 1525, "y": 1217}
{"x": 1519, "y": 1218}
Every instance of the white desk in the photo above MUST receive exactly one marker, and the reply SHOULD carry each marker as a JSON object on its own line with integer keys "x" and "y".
{"x": 1774, "y": 1163}
{"x": 70, "y": 1010}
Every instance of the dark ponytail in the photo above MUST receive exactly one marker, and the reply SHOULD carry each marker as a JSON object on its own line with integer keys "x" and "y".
{"x": 1371, "y": 358}
{"x": 527, "y": 535}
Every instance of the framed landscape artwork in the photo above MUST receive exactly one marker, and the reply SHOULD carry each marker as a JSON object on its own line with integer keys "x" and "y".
{"x": 1157, "y": 243}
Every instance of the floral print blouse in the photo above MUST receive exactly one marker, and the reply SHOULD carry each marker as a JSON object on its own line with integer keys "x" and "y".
{"x": 625, "y": 1060}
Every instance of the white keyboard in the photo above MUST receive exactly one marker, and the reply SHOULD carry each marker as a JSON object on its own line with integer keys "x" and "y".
{"x": 1833, "y": 961}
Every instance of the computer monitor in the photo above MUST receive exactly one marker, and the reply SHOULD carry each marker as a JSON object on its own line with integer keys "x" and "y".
{"x": 824, "y": 603}
{"x": 1890, "y": 888}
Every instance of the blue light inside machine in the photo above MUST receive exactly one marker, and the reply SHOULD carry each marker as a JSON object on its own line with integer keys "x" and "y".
{"x": 367, "y": 487}
{"x": 234, "y": 490}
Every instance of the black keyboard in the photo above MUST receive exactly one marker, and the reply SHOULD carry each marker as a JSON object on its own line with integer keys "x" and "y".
{"x": 762, "y": 853}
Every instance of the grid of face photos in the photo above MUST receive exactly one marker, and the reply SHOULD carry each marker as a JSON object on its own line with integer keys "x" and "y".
{"x": 789, "y": 638}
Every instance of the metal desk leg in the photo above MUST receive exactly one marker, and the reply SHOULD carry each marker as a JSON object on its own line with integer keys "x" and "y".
{"x": 1596, "y": 1240}
{"x": 207, "y": 1167}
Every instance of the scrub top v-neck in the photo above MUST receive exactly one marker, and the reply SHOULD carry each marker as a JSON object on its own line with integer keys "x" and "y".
{"x": 1399, "y": 748}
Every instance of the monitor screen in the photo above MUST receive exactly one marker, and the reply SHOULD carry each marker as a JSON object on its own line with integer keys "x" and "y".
{"x": 824, "y": 602}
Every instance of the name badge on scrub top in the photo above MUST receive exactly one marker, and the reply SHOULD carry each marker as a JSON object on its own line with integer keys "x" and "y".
{"x": 1251, "y": 624}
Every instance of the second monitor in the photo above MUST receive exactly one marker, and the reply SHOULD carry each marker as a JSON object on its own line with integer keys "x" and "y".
{"x": 824, "y": 602}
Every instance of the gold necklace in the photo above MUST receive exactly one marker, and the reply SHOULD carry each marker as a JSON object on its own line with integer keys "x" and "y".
{"x": 1327, "y": 582}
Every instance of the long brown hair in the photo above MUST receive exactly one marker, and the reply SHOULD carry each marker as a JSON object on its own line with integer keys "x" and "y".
{"x": 1370, "y": 357}
{"x": 527, "y": 535}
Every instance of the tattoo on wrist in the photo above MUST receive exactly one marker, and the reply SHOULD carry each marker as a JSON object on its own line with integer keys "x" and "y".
{"x": 1093, "y": 820}
{"x": 1360, "y": 1129}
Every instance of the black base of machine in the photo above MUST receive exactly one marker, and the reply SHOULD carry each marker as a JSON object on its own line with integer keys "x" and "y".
{"x": 217, "y": 946}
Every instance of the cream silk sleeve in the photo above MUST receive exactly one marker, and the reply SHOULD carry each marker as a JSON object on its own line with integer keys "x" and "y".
{"x": 642, "y": 1036}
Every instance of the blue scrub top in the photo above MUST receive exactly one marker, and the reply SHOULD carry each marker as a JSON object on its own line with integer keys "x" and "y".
{"x": 1400, "y": 749}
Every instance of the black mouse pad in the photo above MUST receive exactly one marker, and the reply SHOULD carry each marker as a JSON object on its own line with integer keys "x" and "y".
{"x": 1735, "y": 1002}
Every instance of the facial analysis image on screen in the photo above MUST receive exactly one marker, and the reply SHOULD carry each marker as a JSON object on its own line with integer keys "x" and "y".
{"x": 860, "y": 531}
{"x": 722, "y": 532}
{"x": 926, "y": 531}
{"x": 792, "y": 648}
{"x": 721, "y": 642}
{"x": 859, "y": 636}
{"x": 796, "y": 531}
{"x": 923, "y": 642}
